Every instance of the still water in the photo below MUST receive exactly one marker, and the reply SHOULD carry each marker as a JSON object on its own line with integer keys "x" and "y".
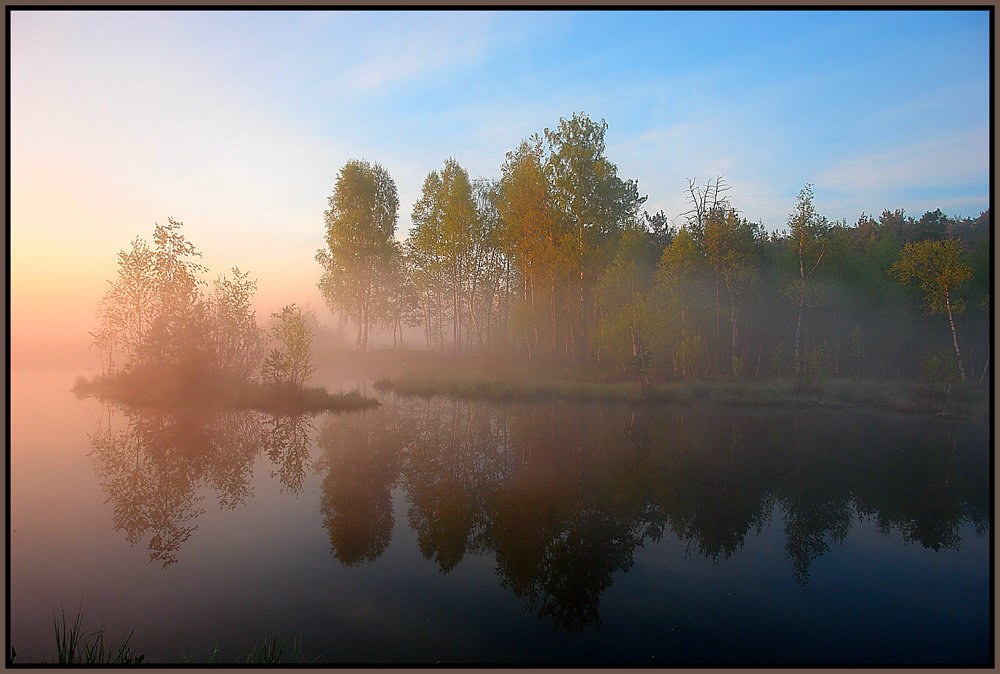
{"x": 431, "y": 530}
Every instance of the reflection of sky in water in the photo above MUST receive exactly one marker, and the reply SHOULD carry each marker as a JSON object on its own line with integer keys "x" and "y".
{"x": 266, "y": 565}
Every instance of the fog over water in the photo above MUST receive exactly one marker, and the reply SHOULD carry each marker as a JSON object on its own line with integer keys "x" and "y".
{"x": 616, "y": 337}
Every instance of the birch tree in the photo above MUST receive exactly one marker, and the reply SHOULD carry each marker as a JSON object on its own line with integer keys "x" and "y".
{"x": 360, "y": 230}
{"x": 808, "y": 239}
{"x": 939, "y": 268}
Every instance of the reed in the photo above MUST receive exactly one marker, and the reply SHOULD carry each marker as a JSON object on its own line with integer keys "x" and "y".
{"x": 270, "y": 652}
{"x": 74, "y": 645}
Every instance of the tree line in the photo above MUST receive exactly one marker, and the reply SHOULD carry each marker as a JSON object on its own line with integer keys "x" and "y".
{"x": 557, "y": 261}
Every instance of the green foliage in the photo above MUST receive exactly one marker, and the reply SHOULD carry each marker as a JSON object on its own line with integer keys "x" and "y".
{"x": 624, "y": 292}
{"x": 553, "y": 263}
{"x": 448, "y": 234}
{"x": 361, "y": 251}
{"x": 676, "y": 296}
{"x": 157, "y": 324}
{"x": 144, "y": 314}
{"x": 939, "y": 372}
{"x": 940, "y": 269}
{"x": 291, "y": 363}
{"x": 817, "y": 364}
{"x": 238, "y": 342}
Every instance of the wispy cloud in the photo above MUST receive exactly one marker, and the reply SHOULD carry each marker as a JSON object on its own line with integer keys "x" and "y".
{"x": 411, "y": 47}
{"x": 956, "y": 159}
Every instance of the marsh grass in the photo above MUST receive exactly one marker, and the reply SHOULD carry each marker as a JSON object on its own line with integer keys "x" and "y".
{"x": 271, "y": 652}
{"x": 898, "y": 395}
{"x": 294, "y": 399}
{"x": 137, "y": 391}
{"x": 74, "y": 645}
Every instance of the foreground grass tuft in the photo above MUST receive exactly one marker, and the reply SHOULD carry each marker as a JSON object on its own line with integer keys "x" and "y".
{"x": 270, "y": 652}
{"x": 76, "y": 646}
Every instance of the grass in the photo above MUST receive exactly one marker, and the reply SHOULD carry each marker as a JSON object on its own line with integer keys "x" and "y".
{"x": 74, "y": 645}
{"x": 78, "y": 646}
{"x": 270, "y": 652}
{"x": 138, "y": 391}
{"x": 296, "y": 400}
{"x": 897, "y": 395}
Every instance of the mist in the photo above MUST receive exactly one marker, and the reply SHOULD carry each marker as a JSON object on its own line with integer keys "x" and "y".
{"x": 604, "y": 338}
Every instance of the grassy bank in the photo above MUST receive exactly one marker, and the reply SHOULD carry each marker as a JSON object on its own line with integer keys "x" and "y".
{"x": 141, "y": 391}
{"x": 896, "y": 395}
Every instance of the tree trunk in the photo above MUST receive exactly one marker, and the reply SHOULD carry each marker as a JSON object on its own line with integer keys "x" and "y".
{"x": 475, "y": 323}
{"x": 954, "y": 337}
{"x": 732, "y": 318}
{"x": 534, "y": 316}
{"x": 456, "y": 330}
{"x": 552, "y": 318}
{"x": 798, "y": 338}
{"x": 718, "y": 330}
{"x": 684, "y": 370}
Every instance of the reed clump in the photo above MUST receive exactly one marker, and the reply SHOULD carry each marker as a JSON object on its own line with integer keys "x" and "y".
{"x": 75, "y": 645}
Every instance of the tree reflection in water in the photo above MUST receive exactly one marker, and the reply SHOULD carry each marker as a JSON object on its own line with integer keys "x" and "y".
{"x": 286, "y": 441}
{"x": 155, "y": 466}
{"x": 560, "y": 494}
{"x": 361, "y": 462}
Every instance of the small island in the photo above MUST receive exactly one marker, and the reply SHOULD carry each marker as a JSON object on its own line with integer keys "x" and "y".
{"x": 164, "y": 342}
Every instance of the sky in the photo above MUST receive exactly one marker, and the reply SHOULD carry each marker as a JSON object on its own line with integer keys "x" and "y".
{"x": 236, "y": 123}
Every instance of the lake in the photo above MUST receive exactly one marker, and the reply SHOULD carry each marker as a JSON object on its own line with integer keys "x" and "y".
{"x": 440, "y": 531}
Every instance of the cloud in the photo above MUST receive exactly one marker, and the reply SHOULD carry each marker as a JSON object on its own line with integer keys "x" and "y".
{"x": 410, "y": 48}
{"x": 958, "y": 159}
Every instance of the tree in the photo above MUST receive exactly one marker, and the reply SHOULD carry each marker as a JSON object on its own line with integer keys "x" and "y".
{"x": 177, "y": 337}
{"x": 360, "y": 230}
{"x": 729, "y": 243}
{"x": 489, "y": 271}
{"x": 808, "y": 239}
{"x": 528, "y": 230}
{"x": 401, "y": 306}
{"x": 595, "y": 204}
{"x": 126, "y": 311}
{"x": 705, "y": 200}
{"x": 625, "y": 327}
{"x": 443, "y": 220}
{"x": 939, "y": 267}
{"x": 290, "y": 363}
{"x": 675, "y": 283}
{"x": 659, "y": 230}
{"x": 237, "y": 341}
{"x": 154, "y": 313}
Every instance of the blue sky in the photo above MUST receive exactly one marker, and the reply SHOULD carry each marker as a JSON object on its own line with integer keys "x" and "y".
{"x": 237, "y": 122}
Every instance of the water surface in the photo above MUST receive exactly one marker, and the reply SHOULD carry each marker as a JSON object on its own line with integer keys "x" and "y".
{"x": 432, "y": 530}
